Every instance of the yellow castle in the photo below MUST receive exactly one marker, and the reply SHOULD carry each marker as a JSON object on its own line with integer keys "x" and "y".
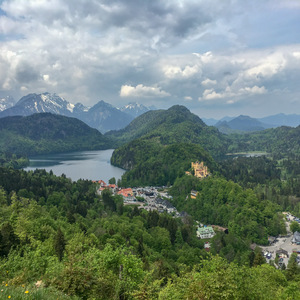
{"x": 200, "y": 171}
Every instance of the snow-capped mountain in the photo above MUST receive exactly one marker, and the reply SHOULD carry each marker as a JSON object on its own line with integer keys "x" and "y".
{"x": 134, "y": 109}
{"x": 6, "y": 102}
{"x": 38, "y": 103}
{"x": 101, "y": 116}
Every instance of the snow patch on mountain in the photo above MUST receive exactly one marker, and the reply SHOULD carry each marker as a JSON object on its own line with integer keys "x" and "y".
{"x": 134, "y": 109}
{"x": 6, "y": 102}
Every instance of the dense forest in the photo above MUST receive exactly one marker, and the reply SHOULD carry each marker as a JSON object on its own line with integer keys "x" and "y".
{"x": 155, "y": 164}
{"x": 59, "y": 238}
{"x": 174, "y": 125}
{"x": 280, "y": 141}
{"x": 48, "y": 133}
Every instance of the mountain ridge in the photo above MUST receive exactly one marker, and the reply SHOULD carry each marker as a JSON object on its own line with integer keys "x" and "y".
{"x": 48, "y": 133}
{"x": 102, "y": 116}
{"x": 241, "y": 123}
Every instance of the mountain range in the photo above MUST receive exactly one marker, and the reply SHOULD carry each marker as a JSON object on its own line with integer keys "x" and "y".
{"x": 243, "y": 123}
{"x": 102, "y": 116}
{"x": 105, "y": 117}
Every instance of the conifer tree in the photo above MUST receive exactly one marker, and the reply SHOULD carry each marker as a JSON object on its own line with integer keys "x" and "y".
{"x": 59, "y": 244}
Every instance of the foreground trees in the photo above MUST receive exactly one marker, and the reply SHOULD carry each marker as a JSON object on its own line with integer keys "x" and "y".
{"x": 60, "y": 235}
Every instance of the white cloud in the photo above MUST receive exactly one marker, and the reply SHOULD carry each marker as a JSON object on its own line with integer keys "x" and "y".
{"x": 211, "y": 94}
{"x": 178, "y": 72}
{"x": 252, "y": 90}
{"x": 142, "y": 91}
{"x": 188, "y": 98}
{"x": 208, "y": 81}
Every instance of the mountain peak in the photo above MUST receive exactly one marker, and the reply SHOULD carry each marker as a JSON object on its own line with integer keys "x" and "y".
{"x": 134, "y": 109}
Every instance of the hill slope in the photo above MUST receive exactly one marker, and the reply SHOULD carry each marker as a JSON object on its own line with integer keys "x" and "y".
{"x": 162, "y": 145}
{"x": 48, "y": 133}
{"x": 280, "y": 140}
{"x": 175, "y": 125}
{"x": 241, "y": 124}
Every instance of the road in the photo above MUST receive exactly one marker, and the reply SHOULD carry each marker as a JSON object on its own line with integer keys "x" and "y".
{"x": 284, "y": 243}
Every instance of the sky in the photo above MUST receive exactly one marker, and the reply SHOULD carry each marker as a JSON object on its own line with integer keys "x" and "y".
{"x": 216, "y": 57}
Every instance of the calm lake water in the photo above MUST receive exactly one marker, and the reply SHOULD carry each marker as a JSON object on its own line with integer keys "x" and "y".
{"x": 93, "y": 165}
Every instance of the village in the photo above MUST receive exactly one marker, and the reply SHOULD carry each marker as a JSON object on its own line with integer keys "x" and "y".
{"x": 153, "y": 198}
{"x": 157, "y": 199}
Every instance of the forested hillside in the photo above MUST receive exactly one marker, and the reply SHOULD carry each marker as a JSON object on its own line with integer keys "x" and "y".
{"x": 48, "y": 133}
{"x": 175, "y": 125}
{"x": 60, "y": 235}
{"x": 168, "y": 142}
{"x": 155, "y": 164}
{"x": 282, "y": 140}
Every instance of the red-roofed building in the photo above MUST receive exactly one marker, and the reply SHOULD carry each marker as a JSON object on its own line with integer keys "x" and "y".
{"x": 126, "y": 193}
{"x": 102, "y": 183}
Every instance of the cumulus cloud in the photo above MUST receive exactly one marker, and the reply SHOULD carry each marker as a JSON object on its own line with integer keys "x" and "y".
{"x": 211, "y": 94}
{"x": 141, "y": 91}
{"x": 179, "y": 72}
{"x": 215, "y": 50}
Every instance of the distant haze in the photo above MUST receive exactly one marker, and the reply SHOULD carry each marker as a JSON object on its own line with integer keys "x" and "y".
{"x": 215, "y": 57}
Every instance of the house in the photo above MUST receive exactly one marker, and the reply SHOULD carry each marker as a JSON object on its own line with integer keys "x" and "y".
{"x": 101, "y": 183}
{"x": 207, "y": 246}
{"x": 194, "y": 194}
{"x": 127, "y": 194}
{"x": 282, "y": 253}
{"x": 296, "y": 238}
{"x": 205, "y": 232}
{"x": 113, "y": 187}
{"x": 101, "y": 189}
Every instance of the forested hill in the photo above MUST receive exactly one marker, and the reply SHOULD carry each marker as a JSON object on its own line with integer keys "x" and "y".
{"x": 281, "y": 140}
{"x": 46, "y": 133}
{"x": 168, "y": 141}
{"x": 175, "y": 125}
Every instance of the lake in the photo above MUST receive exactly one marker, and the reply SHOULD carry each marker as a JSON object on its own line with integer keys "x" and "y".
{"x": 92, "y": 165}
{"x": 248, "y": 154}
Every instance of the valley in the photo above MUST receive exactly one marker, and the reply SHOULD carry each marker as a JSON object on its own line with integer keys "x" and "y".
{"x": 136, "y": 229}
